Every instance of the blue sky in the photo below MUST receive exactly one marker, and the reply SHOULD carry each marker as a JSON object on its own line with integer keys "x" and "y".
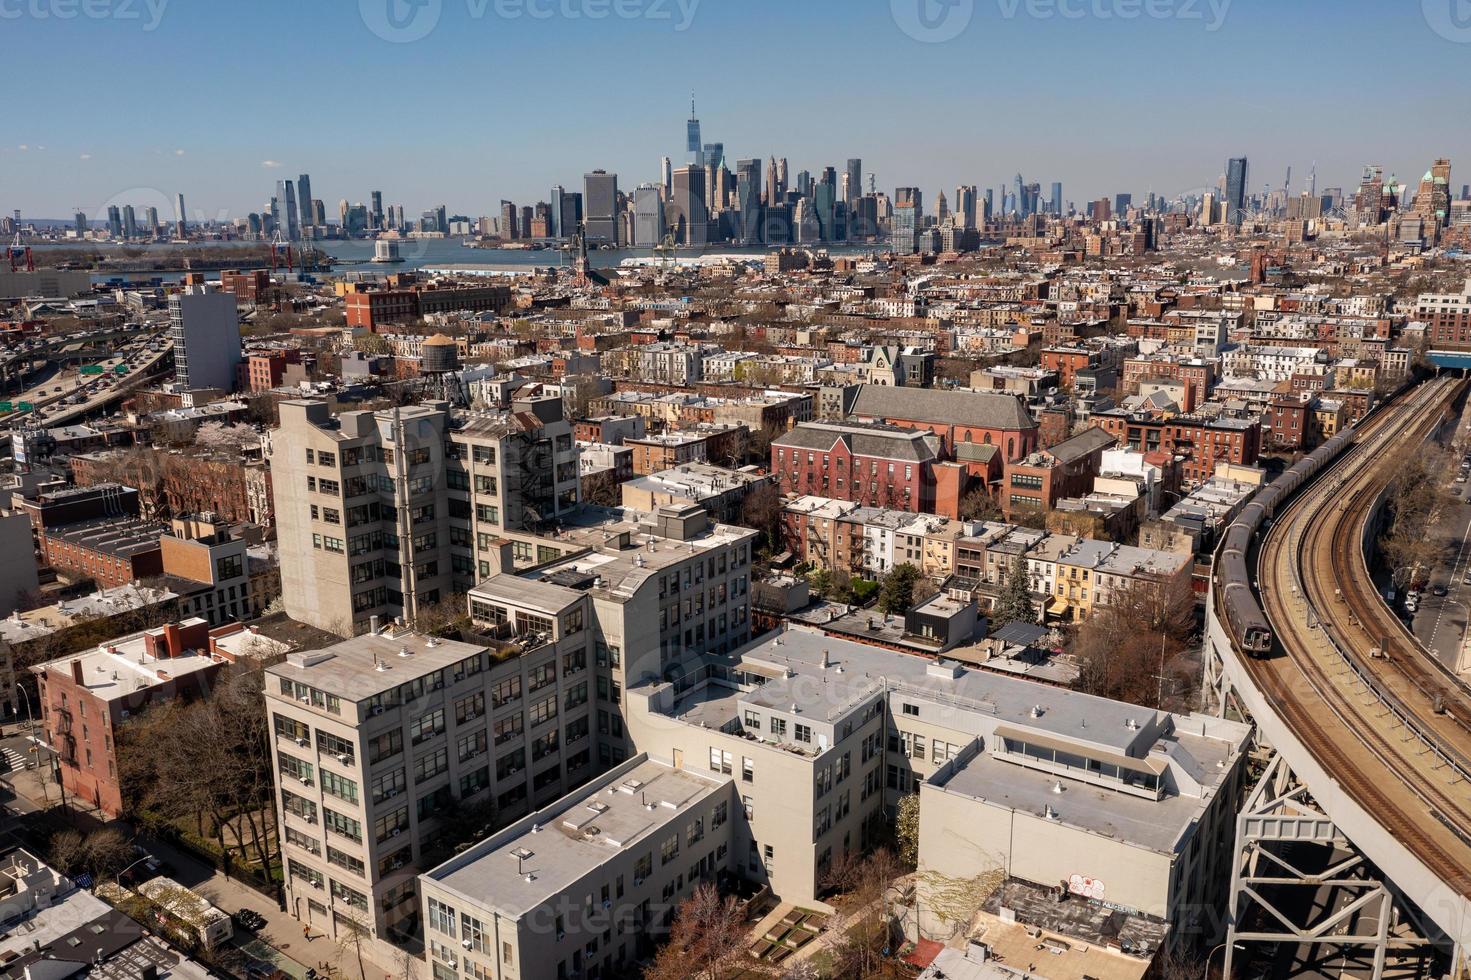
{"x": 132, "y": 101}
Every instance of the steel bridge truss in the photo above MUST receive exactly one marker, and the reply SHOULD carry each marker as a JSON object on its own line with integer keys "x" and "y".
{"x": 1334, "y": 902}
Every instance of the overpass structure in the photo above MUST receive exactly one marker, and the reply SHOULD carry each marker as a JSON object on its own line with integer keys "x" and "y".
{"x": 1358, "y": 837}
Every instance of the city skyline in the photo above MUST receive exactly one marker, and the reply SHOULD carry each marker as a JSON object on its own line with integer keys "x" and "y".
{"x": 62, "y": 157}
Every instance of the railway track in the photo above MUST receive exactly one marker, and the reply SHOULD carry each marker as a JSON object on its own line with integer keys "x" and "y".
{"x": 1378, "y": 710}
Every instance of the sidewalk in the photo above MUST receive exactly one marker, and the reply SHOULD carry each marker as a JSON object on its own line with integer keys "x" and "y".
{"x": 282, "y": 931}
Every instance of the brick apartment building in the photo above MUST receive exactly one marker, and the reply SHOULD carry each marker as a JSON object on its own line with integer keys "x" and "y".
{"x": 870, "y": 464}
{"x": 249, "y": 286}
{"x": 1447, "y": 315}
{"x": 375, "y": 308}
{"x": 1037, "y": 483}
{"x": 85, "y": 698}
{"x": 957, "y": 417}
{"x": 722, "y": 445}
{"x": 1202, "y": 442}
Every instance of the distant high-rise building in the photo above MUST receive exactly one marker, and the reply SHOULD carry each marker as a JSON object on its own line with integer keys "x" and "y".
{"x": 1057, "y": 198}
{"x": 773, "y": 192}
{"x": 748, "y": 200}
{"x": 942, "y": 208}
{"x": 804, "y": 183}
{"x": 1236, "y": 177}
{"x": 1101, "y": 211}
{"x": 181, "y": 217}
{"x": 855, "y": 181}
{"x": 692, "y": 135}
{"x": 1019, "y": 192}
{"x": 965, "y": 205}
{"x": 554, "y": 211}
{"x": 130, "y": 222}
{"x": 150, "y": 222}
{"x": 571, "y": 219}
{"x": 600, "y": 201}
{"x": 80, "y": 220}
{"x": 988, "y": 205}
{"x": 908, "y": 212}
{"x": 648, "y": 215}
{"x": 304, "y": 198}
{"x": 376, "y": 215}
{"x": 782, "y": 181}
{"x": 524, "y": 220}
{"x": 666, "y": 176}
{"x": 1122, "y": 203}
{"x": 510, "y": 221}
{"x": 283, "y": 210}
{"x": 687, "y": 214}
{"x": 824, "y": 201}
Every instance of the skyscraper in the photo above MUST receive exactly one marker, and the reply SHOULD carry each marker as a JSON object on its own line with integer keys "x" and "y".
{"x": 377, "y": 214}
{"x": 554, "y": 211}
{"x": 648, "y": 215}
{"x": 942, "y": 208}
{"x": 181, "y": 217}
{"x": 114, "y": 221}
{"x": 855, "y": 181}
{"x": 773, "y": 195}
{"x": 81, "y": 223}
{"x": 130, "y": 222}
{"x": 283, "y": 209}
{"x": 748, "y": 200}
{"x": 1020, "y": 191}
{"x": 1057, "y": 198}
{"x": 908, "y": 209}
{"x": 666, "y": 176}
{"x": 1236, "y": 176}
{"x": 965, "y": 205}
{"x": 782, "y": 181}
{"x": 510, "y": 221}
{"x": 692, "y": 134}
{"x": 600, "y": 200}
{"x": 1122, "y": 203}
{"x": 687, "y": 214}
{"x": 571, "y": 218}
{"x": 824, "y": 199}
{"x": 304, "y": 198}
{"x": 150, "y": 222}
{"x": 989, "y": 205}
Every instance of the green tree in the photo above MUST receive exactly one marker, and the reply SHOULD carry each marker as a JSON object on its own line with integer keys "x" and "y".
{"x": 1014, "y": 604}
{"x": 821, "y": 582}
{"x": 896, "y": 595}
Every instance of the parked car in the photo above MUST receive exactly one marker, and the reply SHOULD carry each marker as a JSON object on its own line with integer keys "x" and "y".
{"x": 1437, "y": 590}
{"x": 250, "y": 920}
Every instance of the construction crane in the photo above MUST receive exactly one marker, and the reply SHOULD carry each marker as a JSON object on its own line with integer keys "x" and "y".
{"x": 20, "y": 255}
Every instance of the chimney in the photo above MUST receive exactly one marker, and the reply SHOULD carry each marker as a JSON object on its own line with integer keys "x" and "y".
{"x": 502, "y": 561}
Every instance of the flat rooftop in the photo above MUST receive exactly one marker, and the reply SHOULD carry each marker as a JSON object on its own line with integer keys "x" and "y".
{"x": 120, "y": 667}
{"x": 351, "y": 669}
{"x": 543, "y": 855}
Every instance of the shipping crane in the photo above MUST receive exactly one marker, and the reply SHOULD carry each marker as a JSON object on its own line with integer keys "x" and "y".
{"x": 20, "y": 255}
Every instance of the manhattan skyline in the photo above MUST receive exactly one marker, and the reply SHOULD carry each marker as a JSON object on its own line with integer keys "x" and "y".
{"x": 489, "y": 106}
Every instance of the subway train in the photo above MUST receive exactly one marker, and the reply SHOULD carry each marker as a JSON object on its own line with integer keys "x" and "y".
{"x": 1244, "y": 614}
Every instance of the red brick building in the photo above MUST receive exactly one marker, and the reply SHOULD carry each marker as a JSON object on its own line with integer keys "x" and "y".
{"x": 1202, "y": 442}
{"x": 373, "y": 309}
{"x": 249, "y": 287}
{"x": 870, "y": 464}
{"x": 1067, "y": 469}
{"x": 957, "y": 417}
{"x": 85, "y": 698}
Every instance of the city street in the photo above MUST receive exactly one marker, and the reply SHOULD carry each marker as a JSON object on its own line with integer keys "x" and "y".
{"x": 1440, "y": 622}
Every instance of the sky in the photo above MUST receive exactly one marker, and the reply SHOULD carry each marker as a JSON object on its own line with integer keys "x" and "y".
{"x": 468, "y": 102}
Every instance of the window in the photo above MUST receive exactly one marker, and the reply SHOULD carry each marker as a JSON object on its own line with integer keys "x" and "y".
{"x": 427, "y": 726}
{"x": 431, "y": 765}
{"x": 441, "y": 918}
{"x": 391, "y": 825}
{"x": 911, "y": 709}
{"x": 386, "y": 746}
{"x": 469, "y": 708}
{"x": 748, "y": 770}
{"x": 802, "y": 733}
{"x": 469, "y": 746}
{"x": 344, "y": 826}
{"x": 720, "y": 761}
{"x": 544, "y": 710}
{"x": 508, "y": 728}
{"x": 339, "y": 786}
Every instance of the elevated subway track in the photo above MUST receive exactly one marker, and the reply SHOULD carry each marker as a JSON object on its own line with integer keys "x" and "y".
{"x": 1368, "y": 720}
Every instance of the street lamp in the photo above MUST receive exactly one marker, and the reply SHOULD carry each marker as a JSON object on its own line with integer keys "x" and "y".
{"x": 1212, "y": 954}
{"x": 117, "y": 879}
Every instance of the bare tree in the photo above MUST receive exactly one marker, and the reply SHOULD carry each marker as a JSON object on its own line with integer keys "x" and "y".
{"x": 706, "y": 941}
